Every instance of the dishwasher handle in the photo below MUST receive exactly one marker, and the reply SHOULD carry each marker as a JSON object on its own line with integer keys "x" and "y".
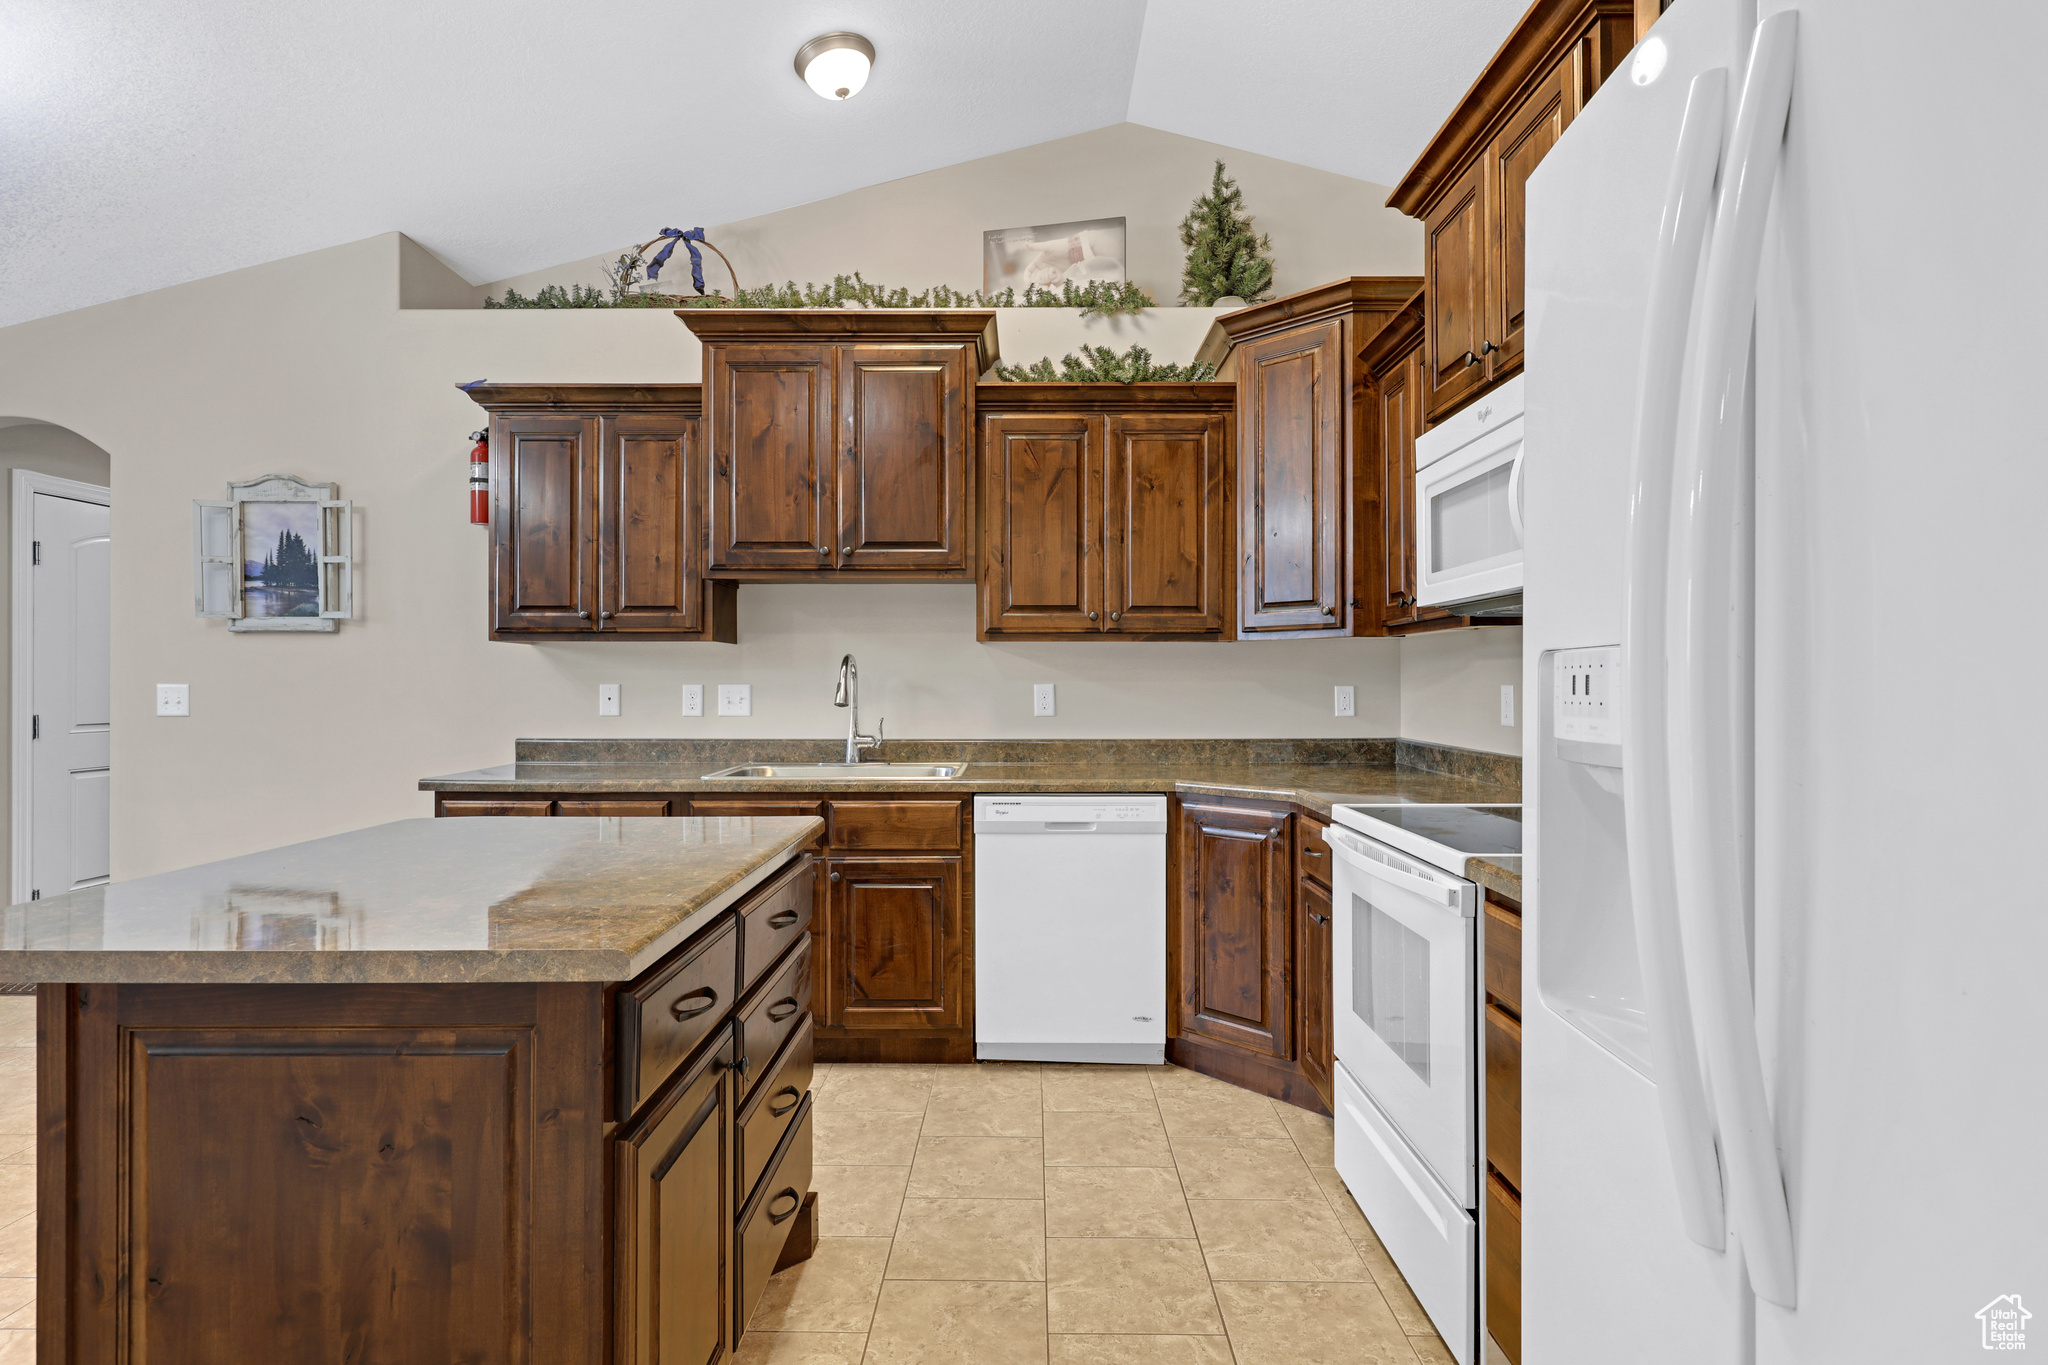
{"x": 1070, "y": 826}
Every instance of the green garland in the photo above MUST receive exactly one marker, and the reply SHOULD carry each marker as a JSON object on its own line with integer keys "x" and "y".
{"x": 1094, "y": 300}
{"x": 1102, "y": 365}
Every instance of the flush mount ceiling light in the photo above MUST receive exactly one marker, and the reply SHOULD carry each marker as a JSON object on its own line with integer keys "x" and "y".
{"x": 836, "y": 64}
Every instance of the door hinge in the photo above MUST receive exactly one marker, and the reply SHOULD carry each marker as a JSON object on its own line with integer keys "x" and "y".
{"x": 35, "y": 727}
{"x": 35, "y": 552}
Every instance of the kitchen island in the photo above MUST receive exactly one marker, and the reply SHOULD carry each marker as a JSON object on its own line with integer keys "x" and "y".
{"x": 432, "y": 1091}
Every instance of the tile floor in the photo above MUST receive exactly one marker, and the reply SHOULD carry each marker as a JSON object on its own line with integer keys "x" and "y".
{"x": 1080, "y": 1215}
{"x": 1068, "y": 1215}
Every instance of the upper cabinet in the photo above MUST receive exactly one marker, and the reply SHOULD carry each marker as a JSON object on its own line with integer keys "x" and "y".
{"x": 1105, "y": 510}
{"x": 838, "y": 442}
{"x": 1469, "y": 188}
{"x": 597, "y": 514}
{"x": 1308, "y": 489}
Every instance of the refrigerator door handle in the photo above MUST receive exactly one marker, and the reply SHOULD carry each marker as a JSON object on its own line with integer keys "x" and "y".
{"x": 1646, "y": 767}
{"x": 1515, "y": 494}
{"x": 1716, "y": 675}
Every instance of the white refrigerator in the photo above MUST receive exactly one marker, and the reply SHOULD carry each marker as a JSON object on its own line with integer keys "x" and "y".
{"x": 1785, "y": 1060}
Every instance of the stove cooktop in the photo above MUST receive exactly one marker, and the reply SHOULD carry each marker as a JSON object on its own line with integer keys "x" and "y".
{"x": 1445, "y": 835}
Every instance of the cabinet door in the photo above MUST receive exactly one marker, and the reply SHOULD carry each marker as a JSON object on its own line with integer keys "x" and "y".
{"x": 673, "y": 1235}
{"x": 768, "y": 412}
{"x": 1236, "y": 927}
{"x": 896, "y": 949}
{"x": 905, "y": 415}
{"x": 1454, "y": 265}
{"x": 543, "y": 523}
{"x": 1164, "y": 523}
{"x": 1398, "y": 399}
{"x": 1041, "y": 567}
{"x": 1528, "y": 136}
{"x": 1312, "y": 989}
{"x": 650, "y": 549}
{"x": 1292, "y": 390}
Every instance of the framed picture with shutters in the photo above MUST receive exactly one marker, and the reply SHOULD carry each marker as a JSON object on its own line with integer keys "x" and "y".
{"x": 276, "y": 555}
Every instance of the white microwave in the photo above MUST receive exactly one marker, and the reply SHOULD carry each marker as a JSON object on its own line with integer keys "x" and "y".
{"x": 1468, "y": 508}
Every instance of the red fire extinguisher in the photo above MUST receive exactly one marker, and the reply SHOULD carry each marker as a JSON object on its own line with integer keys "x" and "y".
{"x": 480, "y": 479}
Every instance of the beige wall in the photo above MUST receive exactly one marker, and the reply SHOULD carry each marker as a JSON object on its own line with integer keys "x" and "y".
{"x": 45, "y": 450}
{"x": 926, "y": 229}
{"x": 1450, "y": 687}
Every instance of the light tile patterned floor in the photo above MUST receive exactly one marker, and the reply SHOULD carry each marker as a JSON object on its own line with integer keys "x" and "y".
{"x": 1055, "y": 1215}
{"x": 1017, "y": 1214}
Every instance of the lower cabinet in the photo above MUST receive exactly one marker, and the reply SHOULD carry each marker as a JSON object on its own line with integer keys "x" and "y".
{"x": 1503, "y": 1136}
{"x": 1312, "y": 999}
{"x": 1236, "y": 931}
{"x": 896, "y": 937}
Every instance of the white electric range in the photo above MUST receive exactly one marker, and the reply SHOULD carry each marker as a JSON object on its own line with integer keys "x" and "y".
{"x": 1409, "y": 1085}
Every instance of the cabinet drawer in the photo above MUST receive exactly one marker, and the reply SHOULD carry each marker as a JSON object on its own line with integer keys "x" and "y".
{"x": 1504, "y": 1267}
{"x": 894, "y": 824}
{"x": 1504, "y": 1093}
{"x": 778, "y": 916}
{"x": 765, "y": 1224}
{"x": 487, "y": 806}
{"x": 1504, "y": 956}
{"x": 709, "y": 806}
{"x": 665, "y": 1014}
{"x": 1315, "y": 848}
{"x": 588, "y": 808}
{"x": 771, "y": 1013}
{"x": 768, "y": 1115}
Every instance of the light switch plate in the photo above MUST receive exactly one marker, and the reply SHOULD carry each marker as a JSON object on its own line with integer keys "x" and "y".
{"x": 1507, "y": 704}
{"x": 174, "y": 699}
{"x": 735, "y": 699}
{"x": 693, "y": 699}
{"x": 1041, "y": 699}
{"x": 1347, "y": 701}
{"x": 607, "y": 699}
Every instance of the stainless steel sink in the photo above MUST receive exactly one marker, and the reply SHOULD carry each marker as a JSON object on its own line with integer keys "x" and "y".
{"x": 843, "y": 772}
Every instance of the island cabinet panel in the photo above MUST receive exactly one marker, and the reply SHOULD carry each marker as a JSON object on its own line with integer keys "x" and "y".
{"x": 671, "y": 1009}
{"x": 1237, "y": 932}
{"x": 897, "y": 944}
{"x": 1166, "y": 523}
{"x": 1042, "y": 499}
{"x": 597, "y": 511}
{"x": 905, "y": 423}
{"x": 771, "y": 1110}
{"x": 402, "y": 1173}
{"x": 771, "y": 457}
{"x": 673, "y": 1232}
{"x": 770, "y": 1218}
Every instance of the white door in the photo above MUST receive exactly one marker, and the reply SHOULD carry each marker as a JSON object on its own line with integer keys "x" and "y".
{"x": 68, "y": 767}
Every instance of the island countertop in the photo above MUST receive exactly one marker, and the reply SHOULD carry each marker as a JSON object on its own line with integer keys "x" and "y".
{"x": 411, "y": 901}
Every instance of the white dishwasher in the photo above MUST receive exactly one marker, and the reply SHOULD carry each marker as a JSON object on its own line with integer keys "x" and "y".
{"x": 1070, "y": 928}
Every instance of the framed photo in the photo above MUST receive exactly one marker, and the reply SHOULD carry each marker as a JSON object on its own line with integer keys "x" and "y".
{"x": 276, "y": 555}
{"x": 1053, "y": 254}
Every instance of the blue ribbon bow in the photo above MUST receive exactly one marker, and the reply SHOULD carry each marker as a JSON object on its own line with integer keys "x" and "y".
{"x": 688, "y": 239}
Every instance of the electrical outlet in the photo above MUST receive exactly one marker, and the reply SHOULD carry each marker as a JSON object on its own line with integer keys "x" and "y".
{"x": 1041, "y": 699}
{"x": 607, "y": 699}
{"x": 1585, "y": 691}
{"x": 735, "y": 699}
{"x": 1347, "y": 701}
{"x": 693, "y": 699}
{"x": 174, "y": 699}
{"x": 1507, "y": 704}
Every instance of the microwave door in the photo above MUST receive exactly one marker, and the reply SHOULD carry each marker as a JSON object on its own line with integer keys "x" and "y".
{"x": 1468, "y": 521}
{"x": 1404, "y": 1009}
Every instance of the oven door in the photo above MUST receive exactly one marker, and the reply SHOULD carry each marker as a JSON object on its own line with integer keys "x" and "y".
{"x": 1468, "y": 521}
{"x": 1405, "y": 968}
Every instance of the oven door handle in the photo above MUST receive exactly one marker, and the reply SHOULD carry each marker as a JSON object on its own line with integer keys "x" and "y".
{"x": 1440, "y": 889}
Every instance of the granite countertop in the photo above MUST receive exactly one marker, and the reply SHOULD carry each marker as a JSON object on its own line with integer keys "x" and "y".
{"x": 1501, "y": 874}
{"x": 411, "y": 901}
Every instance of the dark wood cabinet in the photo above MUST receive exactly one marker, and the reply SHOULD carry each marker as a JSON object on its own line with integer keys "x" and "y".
{"x": 597, "y": 514}
{"x": 1106, "y": 510}
{"x": 1501, "y": 970}
{"x": 1307, "y": 481}
{"x": 1313, "y": 932}
{"x": 1468, "y": 187}
{"x": 838, "y": 442}
{"x": 1236, "y": 930}
{"x": 897, "y": 944}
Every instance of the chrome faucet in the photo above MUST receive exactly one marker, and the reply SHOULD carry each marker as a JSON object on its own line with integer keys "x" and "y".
{"x": 849, "y": 695}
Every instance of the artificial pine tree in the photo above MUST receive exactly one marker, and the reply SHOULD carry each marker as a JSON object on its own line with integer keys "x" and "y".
{"x": 1224, "y": 255}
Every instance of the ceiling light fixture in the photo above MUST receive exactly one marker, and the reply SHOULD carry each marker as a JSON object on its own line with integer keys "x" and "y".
{"x": 836, "y": 64}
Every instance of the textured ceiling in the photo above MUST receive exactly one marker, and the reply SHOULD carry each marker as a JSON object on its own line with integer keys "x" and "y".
{"x": 143, "y": 144}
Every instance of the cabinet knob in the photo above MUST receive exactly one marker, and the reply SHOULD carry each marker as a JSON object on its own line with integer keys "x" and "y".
{"x": 584, "y": 614}
{"x": 1488, "y": 349}
{"x": 846, "y": 549}
{"x": 1470, "y": 359}
{"x": 1116, "y": 616}
{"x": 1093, "y": 617}
{"x": 1319, "y": 919}
{"x": 1329, "y": 611}
{"x": 604, "y": 616}
{"x": 835, "y": 876}
{"x": 824, "y": 549}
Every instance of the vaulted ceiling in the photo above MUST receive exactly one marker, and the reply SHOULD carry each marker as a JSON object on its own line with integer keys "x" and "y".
{"x": 143, "y": 144}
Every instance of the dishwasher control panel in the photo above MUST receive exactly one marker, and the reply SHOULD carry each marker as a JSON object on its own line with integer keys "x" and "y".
{"x": 1070, "y": 813}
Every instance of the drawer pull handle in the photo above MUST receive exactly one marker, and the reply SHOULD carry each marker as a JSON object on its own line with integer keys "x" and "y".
{"x": 1311, "y": 853}
{"x": 796, "y": 1201}
{"x": 1319, "y": 919}
{"x": 782, "y": 1009}
{"x": 782, "y": 919}
{"x": 695, "y": 1003}
{"x": 775, "y": 1112}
